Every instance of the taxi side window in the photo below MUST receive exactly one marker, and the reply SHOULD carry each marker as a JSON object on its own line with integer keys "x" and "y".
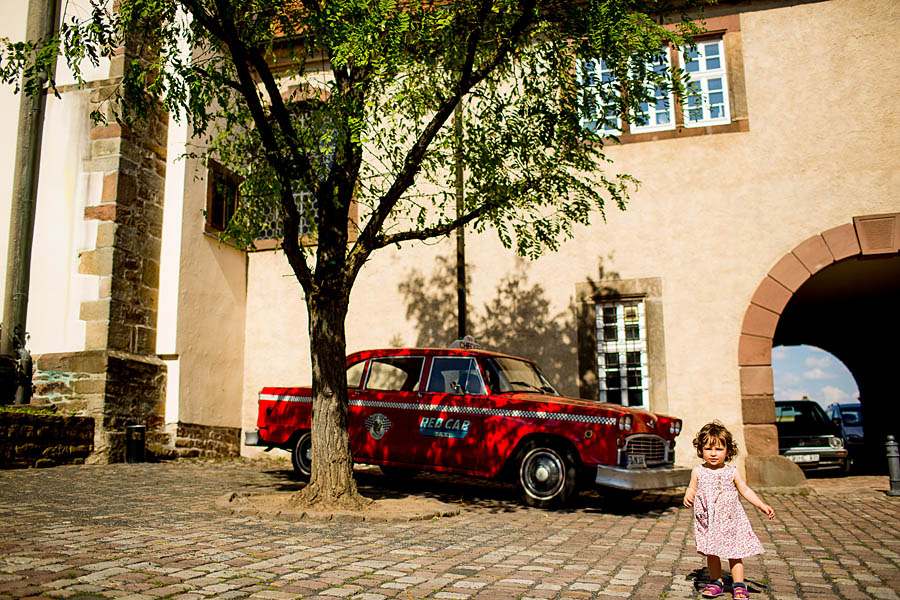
{"x": 455, "y": 375}
{"x": 355, "y": 373}
{"x": 395, "y": 373}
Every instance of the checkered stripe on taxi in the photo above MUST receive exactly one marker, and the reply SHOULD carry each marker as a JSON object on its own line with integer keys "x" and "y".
{"x": 468, "y": 410}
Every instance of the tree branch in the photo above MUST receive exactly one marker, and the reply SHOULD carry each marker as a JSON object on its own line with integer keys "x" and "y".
{"x": 280, "y": 112}
{"x": 436, "y": 231}
{"x": 228, "y": 81}
{"x": 228, "y": 34}
{"x": 367, "y": 241}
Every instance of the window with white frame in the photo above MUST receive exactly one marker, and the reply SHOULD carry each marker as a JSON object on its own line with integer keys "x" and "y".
{"x": 622, "y": 353}
{"x": 659, "y": 113}
{"x": 598, "y": 96}
{"x": 706, "y": 101}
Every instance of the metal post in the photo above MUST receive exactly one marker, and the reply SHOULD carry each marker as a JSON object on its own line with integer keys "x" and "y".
{"x": 42, "y": 17}
{"x": 461, "y": 316}
{"x": 893, "y": 459}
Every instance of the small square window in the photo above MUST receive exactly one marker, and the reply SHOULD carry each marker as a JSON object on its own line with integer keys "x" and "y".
{"x": 635, "y": 397}
{"x": 610, "y": 332}
{"x": 222, "y": 196}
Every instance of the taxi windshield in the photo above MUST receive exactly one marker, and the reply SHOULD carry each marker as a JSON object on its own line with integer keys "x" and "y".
{"x": 505, "y": 375}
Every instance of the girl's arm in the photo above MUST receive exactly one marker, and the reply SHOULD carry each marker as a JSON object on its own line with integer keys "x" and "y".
{"x": 751, "y": 496}
{"x": 691, "y": 490}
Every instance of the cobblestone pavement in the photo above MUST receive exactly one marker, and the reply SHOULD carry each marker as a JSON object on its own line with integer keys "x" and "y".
{"x": 150, "y": 531}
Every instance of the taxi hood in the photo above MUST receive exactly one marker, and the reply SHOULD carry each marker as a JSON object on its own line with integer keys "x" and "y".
{"x": 606, "y": 407}
{"x": 643, "y": 420}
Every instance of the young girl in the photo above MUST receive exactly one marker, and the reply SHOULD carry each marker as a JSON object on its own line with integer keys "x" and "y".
{"x": 721, "y": 527}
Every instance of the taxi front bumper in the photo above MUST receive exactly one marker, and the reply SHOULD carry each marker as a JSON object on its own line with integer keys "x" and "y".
{"x": 642, "y": 479}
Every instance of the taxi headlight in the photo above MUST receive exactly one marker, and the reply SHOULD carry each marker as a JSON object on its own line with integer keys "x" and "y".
{"x": 675, "y": 427}
{"x": 625, "y": 422}
{"x": 836, "y": 442}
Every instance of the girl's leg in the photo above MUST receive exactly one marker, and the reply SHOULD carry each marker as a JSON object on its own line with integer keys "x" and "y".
{"x": 738, "y": 587}
{"x": 715, "y": 587}
{"x": 737, "y": 569}
{"x": 714, "y": 566}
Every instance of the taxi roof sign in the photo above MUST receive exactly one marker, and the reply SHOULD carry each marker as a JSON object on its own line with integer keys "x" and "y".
{"x": 466, "y": 342}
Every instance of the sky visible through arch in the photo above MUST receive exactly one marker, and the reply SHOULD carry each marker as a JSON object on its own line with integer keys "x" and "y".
{"x": 812, "y": 372}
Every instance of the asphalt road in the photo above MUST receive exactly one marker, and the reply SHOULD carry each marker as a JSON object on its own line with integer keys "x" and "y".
{"x": 150, "y": 531}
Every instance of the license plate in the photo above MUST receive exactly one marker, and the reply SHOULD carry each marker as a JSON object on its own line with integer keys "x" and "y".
{"x": 804, "y": 458}
{"x": 636, "y": 460}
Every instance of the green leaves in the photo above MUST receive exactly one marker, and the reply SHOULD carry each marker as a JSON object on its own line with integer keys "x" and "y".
{"x": 349, "y": 102}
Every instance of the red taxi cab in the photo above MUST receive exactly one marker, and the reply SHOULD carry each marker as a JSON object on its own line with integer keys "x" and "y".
{"x": 482, "y": 414}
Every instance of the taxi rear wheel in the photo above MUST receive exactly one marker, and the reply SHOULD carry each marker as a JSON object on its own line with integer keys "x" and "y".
{"x": 547, "y": 475}
{"x": 301, "y": 457}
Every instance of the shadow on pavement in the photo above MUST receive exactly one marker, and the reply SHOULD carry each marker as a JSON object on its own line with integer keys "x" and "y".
{"x": 700, "y": 577}
{"x": 491, "y": 496}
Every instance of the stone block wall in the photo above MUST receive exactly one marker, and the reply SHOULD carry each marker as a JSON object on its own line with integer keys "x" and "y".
{"x": 116, "y": 389}
{"x": 126, "y": 254}
{"x": 207, "y": 440}
{"x": 38, "y": 440}
{"x": 117, "y": 379}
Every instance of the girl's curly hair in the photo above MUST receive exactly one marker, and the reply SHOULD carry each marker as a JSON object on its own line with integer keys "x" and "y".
{"x": 715, "y": 432}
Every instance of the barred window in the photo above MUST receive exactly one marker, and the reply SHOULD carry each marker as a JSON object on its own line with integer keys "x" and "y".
{"x": 622, "y": 353}
{"x": 273, "y": 229}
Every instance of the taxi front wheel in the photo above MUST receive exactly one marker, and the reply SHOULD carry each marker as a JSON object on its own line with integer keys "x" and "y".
{"x": 301, "y": 457}
{"x": 547, "y": 475}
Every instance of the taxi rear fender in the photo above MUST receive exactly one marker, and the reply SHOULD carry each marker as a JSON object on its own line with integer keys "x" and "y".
{"x": 292, "y": 441}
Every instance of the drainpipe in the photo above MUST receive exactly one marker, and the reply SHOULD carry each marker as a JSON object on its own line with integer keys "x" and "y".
{"x": 42, "y": 18}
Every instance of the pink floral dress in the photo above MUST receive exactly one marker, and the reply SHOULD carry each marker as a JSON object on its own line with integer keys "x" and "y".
{"x": 721, "y": 527}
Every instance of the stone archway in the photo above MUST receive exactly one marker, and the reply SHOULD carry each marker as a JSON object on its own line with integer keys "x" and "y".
{"x": 866, "y": 236}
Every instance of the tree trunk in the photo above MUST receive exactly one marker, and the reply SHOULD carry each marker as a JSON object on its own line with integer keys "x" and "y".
{"x": 331, "y": 483}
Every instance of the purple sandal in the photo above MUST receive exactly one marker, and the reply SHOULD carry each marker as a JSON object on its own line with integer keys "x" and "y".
{"x": 713, "y": 589}
{"x": 739, "y": 592}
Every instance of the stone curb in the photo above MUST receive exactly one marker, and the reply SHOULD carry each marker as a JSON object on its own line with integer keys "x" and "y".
{"x": 276, "y": 506}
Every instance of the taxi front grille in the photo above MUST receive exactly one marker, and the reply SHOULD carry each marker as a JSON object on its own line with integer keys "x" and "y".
{"x": 651, "y": 447}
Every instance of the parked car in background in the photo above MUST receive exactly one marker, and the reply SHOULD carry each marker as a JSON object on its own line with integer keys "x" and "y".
{"x": 808, "y": 437}
{"x": 481, "y": 414}
{"x": 848, "y": 417}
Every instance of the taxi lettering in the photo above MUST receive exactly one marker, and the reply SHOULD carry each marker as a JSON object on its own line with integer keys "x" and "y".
{"x": 438, "y": 427}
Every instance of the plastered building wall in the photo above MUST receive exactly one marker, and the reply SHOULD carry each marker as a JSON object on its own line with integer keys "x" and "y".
{"x": 66, "y": 186}
{"x": 712, "y": 216}
{"x": 211, "y": 306}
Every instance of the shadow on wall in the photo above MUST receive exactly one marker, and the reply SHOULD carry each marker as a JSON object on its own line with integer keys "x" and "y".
{"x": 516, "y": 321}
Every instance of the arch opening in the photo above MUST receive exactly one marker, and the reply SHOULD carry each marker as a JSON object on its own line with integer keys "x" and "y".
{"x": 851, "y": 310}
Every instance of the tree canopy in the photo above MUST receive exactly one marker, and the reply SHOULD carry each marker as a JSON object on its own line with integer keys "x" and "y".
{"x": 336, "y": 117}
